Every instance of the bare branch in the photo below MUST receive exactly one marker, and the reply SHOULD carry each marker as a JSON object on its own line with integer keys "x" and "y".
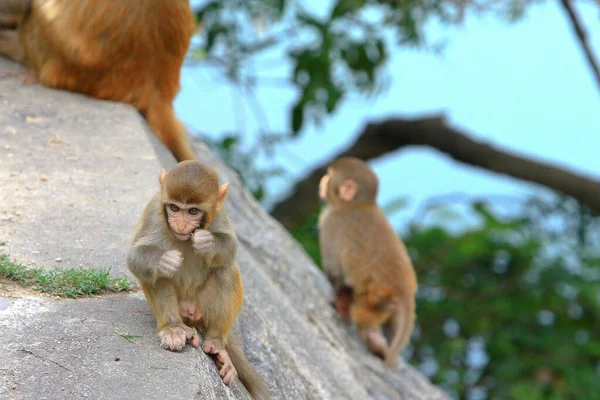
{"x": 380, "y": 138}
{"x": 583, "y": 39}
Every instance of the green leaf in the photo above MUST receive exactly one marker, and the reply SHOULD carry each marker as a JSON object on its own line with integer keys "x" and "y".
{"x": 311, "y": 21}
{"x": 229, "y": 141}
{"x": 211, "y": 36}
{"x": 334, "y": 95}
{"x": 297, "y": 117}
{"x": 209, "y": 10}
{"x": 344, "y": 7}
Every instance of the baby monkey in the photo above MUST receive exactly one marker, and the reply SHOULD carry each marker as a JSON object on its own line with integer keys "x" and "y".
{"x": 183, "y": 253}
{"x": 364, "y": 259}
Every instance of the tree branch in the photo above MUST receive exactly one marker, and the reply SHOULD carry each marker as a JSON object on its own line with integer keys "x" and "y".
{"x": 583, "y": 38}
{"x": 390, "y": 135}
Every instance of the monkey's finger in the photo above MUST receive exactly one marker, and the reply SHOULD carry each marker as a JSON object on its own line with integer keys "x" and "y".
{"x": 223, "y": 357}
{"x": 224, "y": 370}
{"x": 203, "y": 241}
{"x": 173, "y": 258}
{"x": 167, "y": 273}
{"x": 166, "y": 265}
{"x": 192, "y": 335}
{"x": 229, "y": 375}
{"x": 209, "y": 348}
{"x": 200, "y": 237}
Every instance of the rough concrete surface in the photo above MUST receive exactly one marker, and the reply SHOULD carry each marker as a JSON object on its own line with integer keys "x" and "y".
{"x": 75, "y": 173}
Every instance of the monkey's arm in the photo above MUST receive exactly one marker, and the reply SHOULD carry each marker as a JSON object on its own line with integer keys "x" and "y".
{"x": 147, "y": 259}
{"x": 224, "y": 251}
{"x": 143, "y": 261}
{"x": 224, "y": 248}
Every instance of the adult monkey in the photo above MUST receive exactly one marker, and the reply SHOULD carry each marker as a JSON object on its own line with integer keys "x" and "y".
{"x": 183, "y": 253}
{"x": 364, "y": 259}
{"x": 129, "y": 51}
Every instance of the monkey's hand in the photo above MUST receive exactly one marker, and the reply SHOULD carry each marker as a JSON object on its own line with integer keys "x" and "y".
{"x": 203, "y": 241}
{"x": 169, "y": 263}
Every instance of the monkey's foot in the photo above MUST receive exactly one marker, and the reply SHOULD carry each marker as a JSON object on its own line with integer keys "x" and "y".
{"x": 226, "y": 369}
{"x": 27, "y": 77}
{"x": 174, "y": 337}
{"x": 187, "y": 309}
{"x": 342, "y": 306}
{"x": 377, "y": 343}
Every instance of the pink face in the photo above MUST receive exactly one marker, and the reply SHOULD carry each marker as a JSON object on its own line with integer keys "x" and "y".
{"x": 183, "y": 220}
{"x": 323, "y": 186}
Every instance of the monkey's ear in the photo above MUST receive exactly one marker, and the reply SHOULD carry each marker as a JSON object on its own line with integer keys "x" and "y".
{"x": 223, "y": 190}
{"x": 348, "y": 190}
{"x": 163, "y": 177}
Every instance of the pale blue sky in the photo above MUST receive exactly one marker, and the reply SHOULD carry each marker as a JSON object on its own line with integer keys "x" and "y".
{"x": 524, "y": 87}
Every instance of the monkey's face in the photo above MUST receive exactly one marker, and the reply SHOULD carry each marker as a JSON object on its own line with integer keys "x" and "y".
{"x": 183, "y": 219}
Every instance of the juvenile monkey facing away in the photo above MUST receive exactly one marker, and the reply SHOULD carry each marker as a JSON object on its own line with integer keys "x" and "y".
{"x": 129, "y": 51}
{"x": 183, "y": 253}
{"x": 364, "y": 259}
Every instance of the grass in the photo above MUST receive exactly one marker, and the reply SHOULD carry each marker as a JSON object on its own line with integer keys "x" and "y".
{"x": 67, "y": 282}
{"x": 127, "y": 336}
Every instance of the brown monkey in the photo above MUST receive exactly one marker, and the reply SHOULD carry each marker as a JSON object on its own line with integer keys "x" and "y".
{"x": 364, "y": 259}
{"x": 184, "y": 255}
{"x": 129, "y": 51}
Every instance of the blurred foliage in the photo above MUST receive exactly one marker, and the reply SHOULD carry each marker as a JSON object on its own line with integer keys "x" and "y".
{"x": 325, "y": 53}
{"x": 508, "y": 307}
{"x": 332, "y": 54}
{"x": 242, "y": 160}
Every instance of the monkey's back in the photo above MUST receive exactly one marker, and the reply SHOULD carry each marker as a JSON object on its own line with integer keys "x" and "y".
{"x": 373, "y": 259}
{"x": 129, "y": 51}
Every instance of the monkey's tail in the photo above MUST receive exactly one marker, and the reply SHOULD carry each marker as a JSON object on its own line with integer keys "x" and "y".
{"x": 402, "y": 324}
{"x": 248, "y": 375}
{"x": 165, "y": 125}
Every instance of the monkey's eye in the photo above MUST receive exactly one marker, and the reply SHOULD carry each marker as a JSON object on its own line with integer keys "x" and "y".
{"x": 194, "y": 211}
{"x": 174, "y": 208}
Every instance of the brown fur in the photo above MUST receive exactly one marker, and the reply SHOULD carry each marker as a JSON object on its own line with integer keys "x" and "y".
{"x": 362, "y": 253}
{"x": 206, "y": 291}
{"x": 129, "y": 51}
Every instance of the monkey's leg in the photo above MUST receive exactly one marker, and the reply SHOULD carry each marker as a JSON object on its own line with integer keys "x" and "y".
{"x": 169, "y": 130}
{"x": 221, "y": 299}
{"x": 172, "y": 331}
{"x": 12, "y": 12}
{"x": 343, "y": 299}
{"x": 369, "y": 321}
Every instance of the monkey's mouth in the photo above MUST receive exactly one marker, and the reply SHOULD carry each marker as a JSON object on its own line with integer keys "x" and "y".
{"x": 182, "y": 236}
